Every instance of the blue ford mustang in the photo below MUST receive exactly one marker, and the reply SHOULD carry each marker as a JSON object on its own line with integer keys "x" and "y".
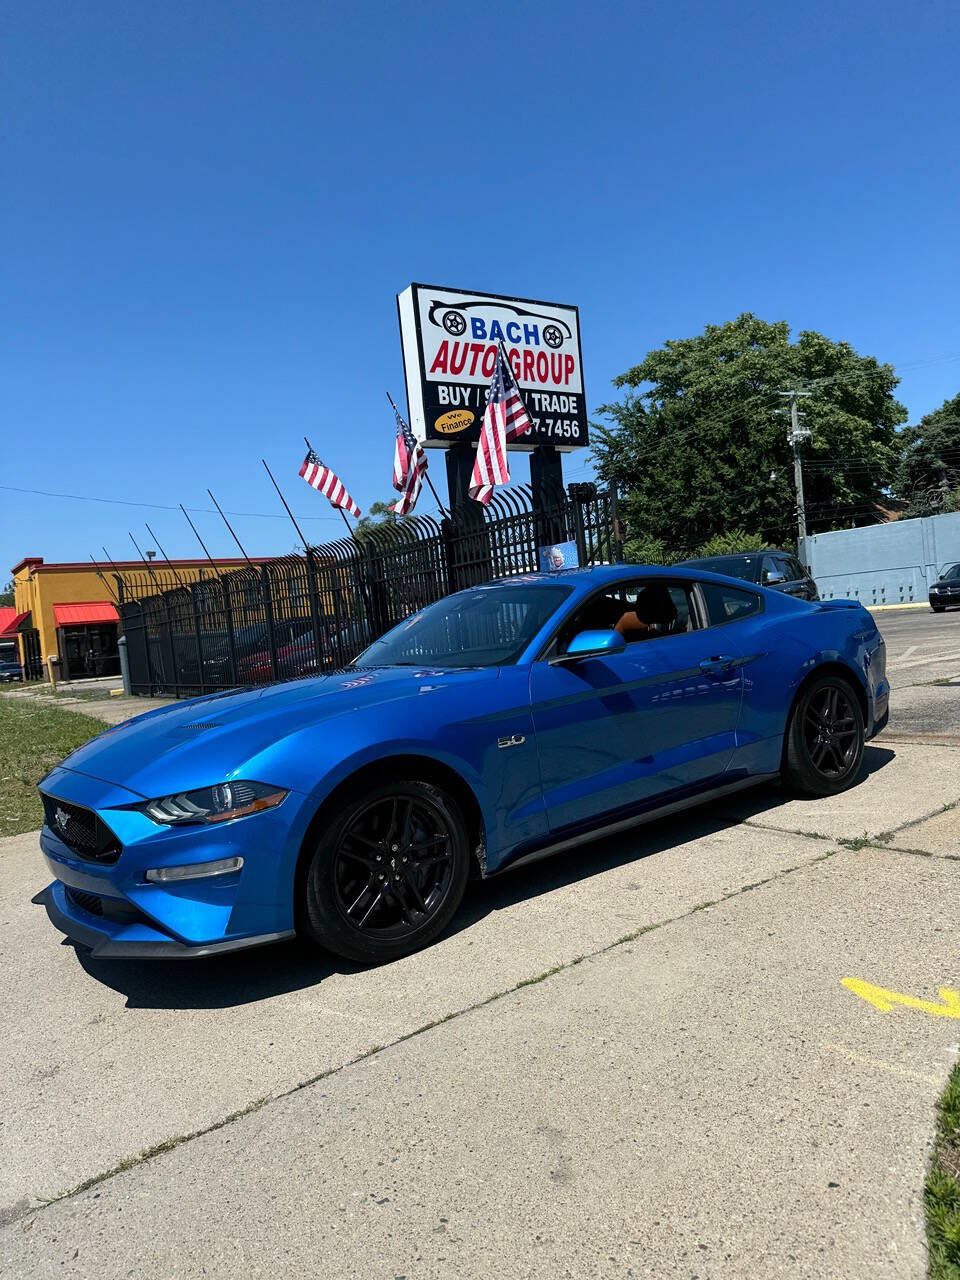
{"x": 499, "y": 724}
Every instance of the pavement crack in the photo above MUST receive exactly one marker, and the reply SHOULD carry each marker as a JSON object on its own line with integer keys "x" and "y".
{"x": 787, "y": 831}
{"x": 170, "y": 1144}
{"x": 913, "y": 853}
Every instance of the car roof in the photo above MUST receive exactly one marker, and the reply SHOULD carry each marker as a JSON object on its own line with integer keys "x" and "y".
{"x": 727, "y": 555}
{"x": 596, "y": 575}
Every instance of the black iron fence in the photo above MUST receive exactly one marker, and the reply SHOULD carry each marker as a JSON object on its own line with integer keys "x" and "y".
{"x": 299, "y": 615}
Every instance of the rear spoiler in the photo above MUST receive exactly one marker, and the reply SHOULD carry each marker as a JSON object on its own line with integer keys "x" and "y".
{"x": 839, "y": 604}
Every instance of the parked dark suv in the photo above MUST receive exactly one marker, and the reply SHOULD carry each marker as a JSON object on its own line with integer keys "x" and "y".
{"x": 945, "y": 592}
{"x": 775, "y": 569}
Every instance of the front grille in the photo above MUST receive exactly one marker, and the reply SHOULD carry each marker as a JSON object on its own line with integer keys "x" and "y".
{"x": 81, "y": 830}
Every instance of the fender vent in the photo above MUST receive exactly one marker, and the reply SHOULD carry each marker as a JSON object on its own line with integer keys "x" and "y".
{"x": 202, "y": 724}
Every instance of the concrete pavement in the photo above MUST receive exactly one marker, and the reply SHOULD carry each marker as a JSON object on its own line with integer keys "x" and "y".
{"x": 707, "y": 1099}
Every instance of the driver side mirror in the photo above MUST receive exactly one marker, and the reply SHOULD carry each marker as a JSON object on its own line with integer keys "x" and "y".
{"x": 592, "y": 644}
{"x": 773, "y": 578}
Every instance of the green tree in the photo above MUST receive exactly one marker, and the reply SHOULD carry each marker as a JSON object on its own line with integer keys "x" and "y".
{"x": 733, "y": 542}
{"x": 696, "y": 447}
{"x": 6, "y": 595}
{"x": 929, "y": 470}
{"x": 378, "y": 514}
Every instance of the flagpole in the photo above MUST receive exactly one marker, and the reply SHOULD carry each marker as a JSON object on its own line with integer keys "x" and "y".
{"x": 232, "y": 534}
{"x": 284, "y": 501}
{"x": 201, "y": 541}
{"x": 426, "y": 474}
{"x": 103, "y": 579}
{"x": 333, "y": 504}
{"x": 180, "y": 582}
{"x": 506, "y": 359}
{"x": 116, "y": 572}
{"x": 516, "y": 380}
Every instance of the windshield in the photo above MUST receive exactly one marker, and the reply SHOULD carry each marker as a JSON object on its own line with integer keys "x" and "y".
{"x": 733, "y": 566}
{"x": 952, "y": 572}
{"x": 489, "y": 627}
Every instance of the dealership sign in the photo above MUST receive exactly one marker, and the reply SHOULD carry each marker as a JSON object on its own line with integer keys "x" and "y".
{"x": 450, "y": 341}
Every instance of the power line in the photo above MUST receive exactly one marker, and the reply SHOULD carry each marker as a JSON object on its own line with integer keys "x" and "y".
{"x": 153, "y": 506}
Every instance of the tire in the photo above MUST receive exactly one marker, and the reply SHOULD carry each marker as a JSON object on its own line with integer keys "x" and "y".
{"x": 938, "y": 608}
{"x": 824, "y": 740}
{"x": 388, "y": 872}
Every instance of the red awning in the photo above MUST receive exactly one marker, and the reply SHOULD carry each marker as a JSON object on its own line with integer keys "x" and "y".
{"x": 84, "y": 615}
{"x": 11, "y": 628}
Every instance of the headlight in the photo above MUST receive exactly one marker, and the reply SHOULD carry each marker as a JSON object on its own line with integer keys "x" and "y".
{"x": 214, "y": 804}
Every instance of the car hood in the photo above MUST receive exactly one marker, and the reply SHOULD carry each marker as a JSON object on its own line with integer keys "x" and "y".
{"x": 203, "y": 740}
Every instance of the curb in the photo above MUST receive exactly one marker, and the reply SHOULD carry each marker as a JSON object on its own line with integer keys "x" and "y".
{"x": 913, "y": 604}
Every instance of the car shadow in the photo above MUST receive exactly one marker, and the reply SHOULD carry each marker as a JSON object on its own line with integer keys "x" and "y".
{"x": 770, "y": 797}
{"x": 246, "y": 977}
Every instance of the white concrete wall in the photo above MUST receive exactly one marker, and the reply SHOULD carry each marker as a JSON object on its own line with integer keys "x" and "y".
{"x": 892, "y": 563}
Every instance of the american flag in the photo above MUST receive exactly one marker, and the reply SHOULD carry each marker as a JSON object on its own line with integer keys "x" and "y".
{"x": 505, "y": 419}
{"x": 406, "y": 447}
{"x": 409, "y": 465}
{"x": 327, "y": 482}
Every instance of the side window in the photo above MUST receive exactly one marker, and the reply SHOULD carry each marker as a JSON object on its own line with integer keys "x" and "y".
{"x": 797, "y": 570}
{"x": 773, "y": 570}
{"x": 728, "y": 604}
{"x": 639, "y": 611}
{"x": 656, "y": 608}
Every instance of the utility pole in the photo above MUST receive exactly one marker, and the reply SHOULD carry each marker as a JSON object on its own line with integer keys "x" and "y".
{"x": 795, "y": 435}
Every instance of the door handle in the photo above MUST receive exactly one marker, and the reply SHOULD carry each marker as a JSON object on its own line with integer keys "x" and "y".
{"x": 719, "y": 665}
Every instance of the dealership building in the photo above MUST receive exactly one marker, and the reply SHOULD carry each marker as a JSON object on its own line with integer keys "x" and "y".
{"x": 68, "y": 612}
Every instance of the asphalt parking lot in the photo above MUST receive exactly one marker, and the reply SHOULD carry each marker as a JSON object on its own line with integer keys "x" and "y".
{"x": 710, "y": 1047}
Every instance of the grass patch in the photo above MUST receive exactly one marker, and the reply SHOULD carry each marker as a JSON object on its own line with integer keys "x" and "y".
{"x": 33, "y": 738}
{"x": 856, "y": 843}
{"x": 941, "y": 1192}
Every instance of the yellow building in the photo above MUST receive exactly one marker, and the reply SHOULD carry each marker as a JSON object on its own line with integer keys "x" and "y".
{"x": 68, "y": 612}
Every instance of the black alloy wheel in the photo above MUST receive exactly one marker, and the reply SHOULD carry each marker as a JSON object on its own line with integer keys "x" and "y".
{"x": 830, "y": 730}
{"x": 389, "y": 873}
{"x": 824, "y": 746}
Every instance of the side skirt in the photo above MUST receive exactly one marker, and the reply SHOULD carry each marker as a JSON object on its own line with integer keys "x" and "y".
{"x": 635, "y": 820}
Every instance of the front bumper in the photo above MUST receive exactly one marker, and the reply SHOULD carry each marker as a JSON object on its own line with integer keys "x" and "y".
{"x": 112, "y": 908}
{"x": 110, "y": 943}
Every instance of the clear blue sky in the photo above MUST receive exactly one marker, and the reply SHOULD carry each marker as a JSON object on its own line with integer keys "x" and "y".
{"x": 208, "y": 209}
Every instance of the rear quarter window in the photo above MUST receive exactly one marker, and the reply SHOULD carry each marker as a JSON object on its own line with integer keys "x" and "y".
{"x": 728, "y": 604}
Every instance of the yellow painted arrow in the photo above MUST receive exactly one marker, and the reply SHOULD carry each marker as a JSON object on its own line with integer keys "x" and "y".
{"x": 884, "y": 1000}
